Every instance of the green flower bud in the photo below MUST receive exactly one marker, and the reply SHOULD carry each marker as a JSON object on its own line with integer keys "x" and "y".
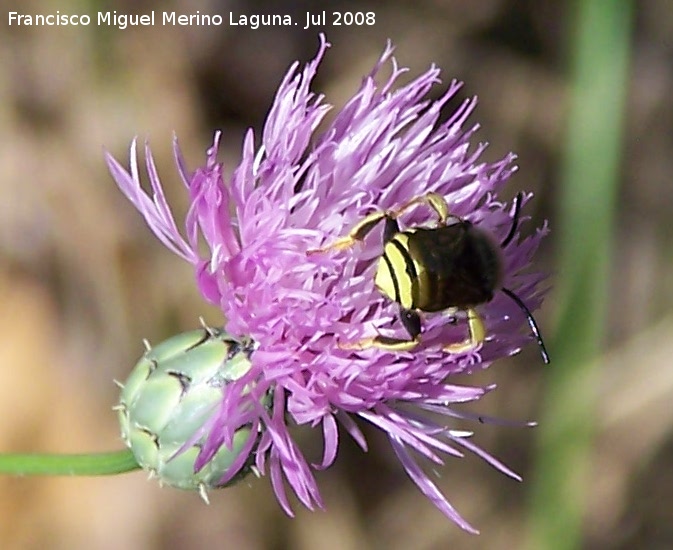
{"x": 170, "y": 393}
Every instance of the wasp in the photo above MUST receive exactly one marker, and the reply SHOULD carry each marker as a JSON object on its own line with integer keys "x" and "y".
{"x": 454, "y": 266}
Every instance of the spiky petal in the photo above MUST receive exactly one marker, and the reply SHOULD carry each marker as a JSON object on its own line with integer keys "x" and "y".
{"x": 296, "y": 191}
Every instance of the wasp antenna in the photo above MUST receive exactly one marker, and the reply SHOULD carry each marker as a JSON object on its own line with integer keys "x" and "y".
{"x": 515, "y": 220}
{"x": 531, "y": 321}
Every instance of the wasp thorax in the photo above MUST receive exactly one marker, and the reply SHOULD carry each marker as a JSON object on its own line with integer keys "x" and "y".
{"x": 171, "y": 392}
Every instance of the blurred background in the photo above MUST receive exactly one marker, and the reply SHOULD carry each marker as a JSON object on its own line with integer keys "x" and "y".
{"x": 83, "y": 281}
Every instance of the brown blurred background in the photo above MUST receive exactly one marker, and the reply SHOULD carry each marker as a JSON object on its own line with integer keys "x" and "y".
{"x": 82, "y": 280}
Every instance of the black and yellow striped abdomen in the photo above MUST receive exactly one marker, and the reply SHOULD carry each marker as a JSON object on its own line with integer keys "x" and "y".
{"x": 433, "y": 269}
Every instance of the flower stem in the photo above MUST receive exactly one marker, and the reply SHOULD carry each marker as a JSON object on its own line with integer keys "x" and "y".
{"x": 94, "y": 464}
{"x": 588, "y": 206}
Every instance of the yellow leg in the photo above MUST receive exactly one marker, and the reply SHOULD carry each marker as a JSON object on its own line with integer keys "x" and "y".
{"x": 357, "y": 234}
{"x": 363, "y": 227}
{"x": 433, "y": 200}
{"x": 475, "y": 325}
{"x": 381, "y": 342}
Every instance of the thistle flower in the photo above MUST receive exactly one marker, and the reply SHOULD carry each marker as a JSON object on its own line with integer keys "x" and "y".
{"x": 296, "y": 192}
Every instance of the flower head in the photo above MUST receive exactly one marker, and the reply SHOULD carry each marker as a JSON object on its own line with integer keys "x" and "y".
{"x": 294, "y": 193}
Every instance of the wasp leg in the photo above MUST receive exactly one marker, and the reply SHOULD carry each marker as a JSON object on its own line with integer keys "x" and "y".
{"x": 433, "y": 200}
{"x": 357, "y": 234}
{"x": 475, "y": 325}
{"x": 411, "y": 322}
{"x": 364, "y": 226}
{"x": 381, "y": 342}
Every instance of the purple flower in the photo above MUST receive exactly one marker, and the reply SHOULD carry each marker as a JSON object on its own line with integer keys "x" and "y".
{"x": 295, "y": 192}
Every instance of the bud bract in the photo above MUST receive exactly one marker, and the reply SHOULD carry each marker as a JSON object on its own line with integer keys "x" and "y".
{"x": 171, "y": 392}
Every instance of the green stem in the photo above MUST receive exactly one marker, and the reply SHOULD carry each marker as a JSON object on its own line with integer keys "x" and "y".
{"x": 588, "y": 205}
{"x": 95, "y": 464}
